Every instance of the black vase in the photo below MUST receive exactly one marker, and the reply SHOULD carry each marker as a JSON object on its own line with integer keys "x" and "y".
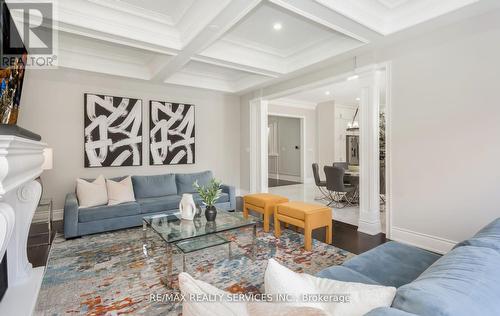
{"x": 210, "y": 213}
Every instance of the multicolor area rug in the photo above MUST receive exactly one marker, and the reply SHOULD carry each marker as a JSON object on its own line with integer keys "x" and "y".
{"x": 117, "y": 273}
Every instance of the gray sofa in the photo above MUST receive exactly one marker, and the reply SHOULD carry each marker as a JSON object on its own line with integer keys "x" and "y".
{"x": 465, "y": 281}
{"x": 153, "y": 194}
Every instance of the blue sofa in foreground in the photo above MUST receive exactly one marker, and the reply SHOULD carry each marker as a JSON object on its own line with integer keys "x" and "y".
{"x": 465, "y": 281}
{"x": 153, "y": 194}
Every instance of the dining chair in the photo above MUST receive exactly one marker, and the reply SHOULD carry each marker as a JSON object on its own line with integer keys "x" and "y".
{"x": 341, "y": 194}
{"x": 319, "y": 183}
{"x": 343, "y": 165}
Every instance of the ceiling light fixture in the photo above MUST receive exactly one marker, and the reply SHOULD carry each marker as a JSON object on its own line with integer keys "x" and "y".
{"x": 327, "y": 92}
{"x": 355, "y": 70}
{"x": 358, "y": 99}
{"x": 277, "y": 26}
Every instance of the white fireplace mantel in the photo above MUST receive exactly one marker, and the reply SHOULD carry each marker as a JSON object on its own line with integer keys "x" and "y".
{"x": 21, "y": 162}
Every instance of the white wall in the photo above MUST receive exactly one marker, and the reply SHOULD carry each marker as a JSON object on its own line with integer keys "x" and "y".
{"x": 52, "y": 106}
{"x": 310, "y": 132}
{"x": 445, "y": 128}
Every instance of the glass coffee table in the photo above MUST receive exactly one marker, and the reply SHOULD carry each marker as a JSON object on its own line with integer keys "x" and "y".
{"x": 198, "y": 234}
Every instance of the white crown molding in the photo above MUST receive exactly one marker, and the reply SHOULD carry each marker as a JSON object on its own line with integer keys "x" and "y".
{"x": 387, "y": 20}
{"x": 127, "y": 8}
{"x": 294, "y": 103}
{"x": 392, "y": 4}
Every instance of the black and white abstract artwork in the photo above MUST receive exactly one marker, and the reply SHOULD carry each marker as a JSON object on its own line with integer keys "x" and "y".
{"x": 171, "y": 132}
{"x": 113, "y": 131}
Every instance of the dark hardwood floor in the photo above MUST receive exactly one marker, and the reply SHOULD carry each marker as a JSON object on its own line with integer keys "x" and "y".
{"x": 279, "y": 183}
{"x": 345, "y": 236}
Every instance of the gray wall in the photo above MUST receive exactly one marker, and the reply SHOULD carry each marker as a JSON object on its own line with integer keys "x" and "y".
{"x": 52, "y": 106}
{"x": 310, "y": 131}
{"x": 445, "y": 127}
{"x": 288, "y": 137}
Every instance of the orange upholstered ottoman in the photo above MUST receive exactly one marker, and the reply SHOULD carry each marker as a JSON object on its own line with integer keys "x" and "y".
{"x": 263, "y": 203}
{"x": 305, "y": 215}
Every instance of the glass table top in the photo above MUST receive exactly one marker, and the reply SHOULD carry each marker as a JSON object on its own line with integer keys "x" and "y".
{"x": 172, "y": 229}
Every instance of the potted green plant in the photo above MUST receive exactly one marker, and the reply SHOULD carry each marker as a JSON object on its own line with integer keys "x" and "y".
{"x": 209, "y": 194}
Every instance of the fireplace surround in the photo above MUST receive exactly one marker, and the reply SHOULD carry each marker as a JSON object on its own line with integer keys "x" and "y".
{"x": 21, "y": 159}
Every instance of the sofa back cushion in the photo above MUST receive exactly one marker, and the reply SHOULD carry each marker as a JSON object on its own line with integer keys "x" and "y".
{"x": 488, "y": 237}
{"x": 154, "y": 186}
{"x": 185, "y": 181}
{"x": 466, "y": 281}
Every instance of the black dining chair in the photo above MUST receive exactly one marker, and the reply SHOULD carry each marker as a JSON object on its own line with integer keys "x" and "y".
{"x": 319, "y": 183}
{"x": 342, "y": 195}
{"x": 343, "y": 165}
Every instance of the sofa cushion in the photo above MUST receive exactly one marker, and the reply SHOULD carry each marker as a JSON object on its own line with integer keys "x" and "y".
{"x": 224, "y": 198}
{"x": 393, "y": 263}
{"x": 91, "y": 214}
{"x": 159, "y": 204}
{"x": 341, "y": 273}
{"x": 185, "y": 181}
{"x": 488, "y": 237}
{"x": 154, "y": 186}
{"x": 466, "y": 281}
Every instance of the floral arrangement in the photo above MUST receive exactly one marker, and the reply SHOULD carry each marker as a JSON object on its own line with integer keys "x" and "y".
{"x": 209, "y": 193}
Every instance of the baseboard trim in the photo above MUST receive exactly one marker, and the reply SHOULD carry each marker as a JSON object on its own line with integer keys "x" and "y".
{"x": 370, "y": 228}
{"x": 284, "y": 177}
{"x": 425, "y": 241}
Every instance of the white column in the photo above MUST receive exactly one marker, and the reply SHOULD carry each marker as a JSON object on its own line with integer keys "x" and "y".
{"x": 258, "y": 145}
{"x": 369, "y": 207}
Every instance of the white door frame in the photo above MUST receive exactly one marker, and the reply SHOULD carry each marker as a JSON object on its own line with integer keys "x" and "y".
{"x": 258, "y": 120}
{"x": 302, "y": 141}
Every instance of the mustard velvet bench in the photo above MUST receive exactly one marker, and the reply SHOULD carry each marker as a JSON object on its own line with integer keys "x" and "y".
{"x": 263, "y": 203}
{"x": 304, "y": 215}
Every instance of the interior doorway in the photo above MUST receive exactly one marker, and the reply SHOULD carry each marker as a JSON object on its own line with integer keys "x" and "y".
{"x": 374, "y": 99}
{"x": 285, "y": 150}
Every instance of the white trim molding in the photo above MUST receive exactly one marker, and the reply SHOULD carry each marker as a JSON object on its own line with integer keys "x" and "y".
{"x": 421, "y": 240}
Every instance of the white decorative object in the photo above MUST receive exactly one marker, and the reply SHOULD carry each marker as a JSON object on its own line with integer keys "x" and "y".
{"x": 21, "y": 162}
{"x": 362, "y": 298}
{"x": 187, "y": 207}
{"x": 47, "y": 159}
{"x": 91, "y": 193}
{"x": 120, "y": 192}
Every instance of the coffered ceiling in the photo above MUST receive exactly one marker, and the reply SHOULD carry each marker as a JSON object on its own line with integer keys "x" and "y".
{"x": 227, "y": 45}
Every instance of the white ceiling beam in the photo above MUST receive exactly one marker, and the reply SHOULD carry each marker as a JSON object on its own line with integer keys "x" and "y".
{"x": 236, "y": 66}
{"x": 226, "y": 19}
{"x": 316, "y": 12}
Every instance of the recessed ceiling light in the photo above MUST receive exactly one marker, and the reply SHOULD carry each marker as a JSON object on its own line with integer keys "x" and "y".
{"x": 358, "y": 99}
{"x": 277, "y": 26}
{"x": 327, "y": 92}
{"x": 352, "y": 77}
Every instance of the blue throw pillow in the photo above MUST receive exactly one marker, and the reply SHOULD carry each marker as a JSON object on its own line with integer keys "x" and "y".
{"x": 466, "y": 281}
{"x": 488, "y": 237}
{"x": 185, "y": 181}
{"x": 154, "y": 186}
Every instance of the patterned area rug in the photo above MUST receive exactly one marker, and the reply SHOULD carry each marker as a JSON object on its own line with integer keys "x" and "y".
{"x": 117, "y": 273}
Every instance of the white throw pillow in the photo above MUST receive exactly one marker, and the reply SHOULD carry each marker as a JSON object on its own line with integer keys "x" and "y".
{"x": 190, "y": 307}
{"x": 361, "y": 298}
{"x": 192, "y": 288}
{"x": 91, "y": 193}
{"x": 120, "y": 192}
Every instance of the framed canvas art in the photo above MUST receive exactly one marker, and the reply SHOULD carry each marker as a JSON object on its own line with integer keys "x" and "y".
{"x": 171, "y": 133}
{"x": 113, "y": 131}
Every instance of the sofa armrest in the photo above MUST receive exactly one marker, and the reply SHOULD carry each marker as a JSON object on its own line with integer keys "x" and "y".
{"x": 388, "y": 311}
{"x": 231, "y": 191}
{"x": 71, "y": 216}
